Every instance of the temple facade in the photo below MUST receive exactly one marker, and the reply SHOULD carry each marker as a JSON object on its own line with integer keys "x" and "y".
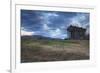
{"x": 76, "y": 33}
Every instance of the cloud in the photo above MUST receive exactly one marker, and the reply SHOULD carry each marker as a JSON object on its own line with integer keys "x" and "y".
{"x": 81, "y": 20}
{"x": 25, "y": 32}
{"x": 46, "y": 16}
{"x": 45, "y": 27}
{"x": 57, "y": 33}
{"x": 50, "y": 14}
{"x": 51, "y": 24}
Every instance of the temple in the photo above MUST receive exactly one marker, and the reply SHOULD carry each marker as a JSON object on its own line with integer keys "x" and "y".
{"x": 76, "y": 33}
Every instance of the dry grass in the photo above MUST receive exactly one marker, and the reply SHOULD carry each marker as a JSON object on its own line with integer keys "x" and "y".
{"x": 54, "y": 50}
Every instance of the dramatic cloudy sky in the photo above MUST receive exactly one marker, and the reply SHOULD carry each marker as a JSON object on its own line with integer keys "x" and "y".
{"x": 51, "y": 24}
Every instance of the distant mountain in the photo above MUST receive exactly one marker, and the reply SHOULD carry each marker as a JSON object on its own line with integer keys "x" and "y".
{"x": 39, "y": 37}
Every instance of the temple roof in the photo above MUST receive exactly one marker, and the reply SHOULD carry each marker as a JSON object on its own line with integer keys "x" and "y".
{"x": 75, "y": 28}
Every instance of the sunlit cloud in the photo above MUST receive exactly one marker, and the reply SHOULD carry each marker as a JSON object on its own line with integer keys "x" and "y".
{"x": 25, "y": 32}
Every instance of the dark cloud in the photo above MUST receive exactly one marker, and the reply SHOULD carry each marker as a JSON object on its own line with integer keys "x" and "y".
{"x": 51, "y": 23}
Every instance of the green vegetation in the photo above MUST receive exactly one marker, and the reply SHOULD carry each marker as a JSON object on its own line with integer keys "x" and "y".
{"x": 40, "y": 50}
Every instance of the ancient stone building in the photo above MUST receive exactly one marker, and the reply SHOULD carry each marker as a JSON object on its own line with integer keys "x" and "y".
{"x": 76, "y": 33}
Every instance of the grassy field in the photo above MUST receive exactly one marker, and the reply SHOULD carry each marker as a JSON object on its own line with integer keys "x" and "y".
{"x": 41, "y": 50}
